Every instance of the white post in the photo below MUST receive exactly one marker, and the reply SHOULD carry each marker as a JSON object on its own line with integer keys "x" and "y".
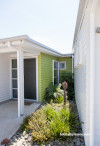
{"x": 20, "y": 69}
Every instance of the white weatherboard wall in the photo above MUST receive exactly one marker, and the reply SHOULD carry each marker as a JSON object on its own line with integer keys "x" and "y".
{"x": 81, "y": 72}
{"x": 97, "y": 81}
{"x": 4, "y": 77}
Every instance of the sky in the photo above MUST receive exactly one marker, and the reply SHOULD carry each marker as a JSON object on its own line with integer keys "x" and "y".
{"x": 50, "y": 22}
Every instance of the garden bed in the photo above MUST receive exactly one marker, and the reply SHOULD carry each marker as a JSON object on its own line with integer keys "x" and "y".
{"x": 48, "y": 125}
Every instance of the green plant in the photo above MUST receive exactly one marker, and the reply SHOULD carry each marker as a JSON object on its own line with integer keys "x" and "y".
{"x": 25, "y": 123}
{"x": 54, "y": 93}
{"x": 39, "y": 126}
{"x": 58, "y": 97}
{"x": 49, "y": 121}
{"x": 69, "y": 78}
{"x": 61, "y": 121}
{"x": 49, "y": 92}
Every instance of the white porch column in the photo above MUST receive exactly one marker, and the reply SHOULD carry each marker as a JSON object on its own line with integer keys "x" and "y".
{"x": 20, "y": 70}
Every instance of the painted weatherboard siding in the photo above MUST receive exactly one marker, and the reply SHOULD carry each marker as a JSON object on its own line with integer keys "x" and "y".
{"x": 68, "y": 61}
{"x": 39, "y": 77}
{"x": 81, "y": 73}
{"x": 45, "y": 63}
{"x": 4, "y": 77}
{"x": 97, "y": 81}
{"x": 45, "y": 71}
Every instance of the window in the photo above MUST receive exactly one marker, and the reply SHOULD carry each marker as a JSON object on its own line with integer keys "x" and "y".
{"x": 14, "y": 78}
{"x": 62, "y": 65}
{"x": 56, "y": 72}
{"x": 55, "y": 65}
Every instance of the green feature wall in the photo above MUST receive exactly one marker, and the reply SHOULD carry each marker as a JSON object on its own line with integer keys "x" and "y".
{"x": 68, "y": 64}
{"x": 45, "y": 71}
{"x": 39, "y": 77}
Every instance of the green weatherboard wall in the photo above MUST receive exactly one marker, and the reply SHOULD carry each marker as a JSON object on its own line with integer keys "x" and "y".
{"x": 68, "y": 64}
{"x": 45, "y": 71}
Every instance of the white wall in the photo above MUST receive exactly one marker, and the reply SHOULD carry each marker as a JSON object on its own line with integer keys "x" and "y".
{"x": 81, "y": 72}
{"x": 4, "y": 77}
{"x": 97, "y": 81}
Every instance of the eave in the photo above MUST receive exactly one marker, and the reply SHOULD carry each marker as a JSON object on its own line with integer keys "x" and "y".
{"x": 29, "y": 45}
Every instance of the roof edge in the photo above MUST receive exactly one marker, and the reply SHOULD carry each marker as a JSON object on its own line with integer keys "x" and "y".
{"x": 81, "y": 10}
{"x": 26, "y": 37}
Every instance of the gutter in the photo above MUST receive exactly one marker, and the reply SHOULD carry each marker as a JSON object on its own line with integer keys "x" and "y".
{"x": 41, "y": 45}
{"x": 25, "y": 37}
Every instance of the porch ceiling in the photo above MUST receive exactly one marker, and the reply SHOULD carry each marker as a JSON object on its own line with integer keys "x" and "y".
{"x": 9, "y": 47}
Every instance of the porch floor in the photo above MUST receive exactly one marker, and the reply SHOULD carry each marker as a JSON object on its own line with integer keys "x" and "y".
{"x": 9, "y": 121}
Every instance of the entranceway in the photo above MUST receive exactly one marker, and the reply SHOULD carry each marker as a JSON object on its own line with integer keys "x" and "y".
{"x": 29, "y": 79}
{"x": 9, "y": 123}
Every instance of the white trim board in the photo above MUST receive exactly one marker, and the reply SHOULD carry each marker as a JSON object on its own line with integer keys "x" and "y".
{"x": 53, "y": 71}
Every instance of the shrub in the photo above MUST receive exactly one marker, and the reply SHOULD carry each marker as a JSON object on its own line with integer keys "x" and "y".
{"x": 58, "y": 97}
{"x": 54, "y": 93}
{"x": 61, "y": 121}
{"x": 39, "y": 126}
{"x": 49, "y": 92}
{"x": 69, "y": 78}
{"x": 25, "y": 123}
{"x": 59, "y": 94}
{"x": 48, "y": 122}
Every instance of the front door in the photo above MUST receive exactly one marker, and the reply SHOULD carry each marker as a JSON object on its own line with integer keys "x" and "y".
{"x": 29, "y": 78}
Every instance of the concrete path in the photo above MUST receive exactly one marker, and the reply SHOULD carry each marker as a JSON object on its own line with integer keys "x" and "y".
{"x": 9, "y": 122}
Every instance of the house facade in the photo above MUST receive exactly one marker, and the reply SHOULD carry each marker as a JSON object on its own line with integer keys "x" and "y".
{"x": 86, "y": 47}
{"x": 27, "y": 68}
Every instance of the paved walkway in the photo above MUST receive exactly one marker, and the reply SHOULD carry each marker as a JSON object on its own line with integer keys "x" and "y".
{"x": 9, "y": 122}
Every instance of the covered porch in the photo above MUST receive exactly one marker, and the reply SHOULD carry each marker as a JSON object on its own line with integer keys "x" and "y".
{"x": 15, "y": 54}
{"x": 9, "y": 121}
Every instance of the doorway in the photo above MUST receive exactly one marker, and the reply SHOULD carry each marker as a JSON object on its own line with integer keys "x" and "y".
{"x": 29, "y": 79}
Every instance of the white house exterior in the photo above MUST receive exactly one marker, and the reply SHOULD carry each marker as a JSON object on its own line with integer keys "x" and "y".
{"x": 86, "y": 47}
{"x": 18, "y": 48}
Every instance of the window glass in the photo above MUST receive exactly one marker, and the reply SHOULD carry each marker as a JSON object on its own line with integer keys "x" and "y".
{"x": 14, "y": 63}
{"x": 15, "y": 94}
{"x": 55, "y": 65}
{"x": 14, "y": 83}
{"x": 56, "y": 72}
{"x": 62, "y": 65}
{"x": 14, "y": 73}
{"x": 14, "y": 78}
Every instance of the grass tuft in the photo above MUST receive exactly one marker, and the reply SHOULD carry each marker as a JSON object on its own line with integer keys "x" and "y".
{"x": 49, "y": 121}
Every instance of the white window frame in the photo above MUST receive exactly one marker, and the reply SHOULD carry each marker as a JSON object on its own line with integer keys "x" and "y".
{"x": 64, "y": 67}
{"x": 54, "y": 69}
